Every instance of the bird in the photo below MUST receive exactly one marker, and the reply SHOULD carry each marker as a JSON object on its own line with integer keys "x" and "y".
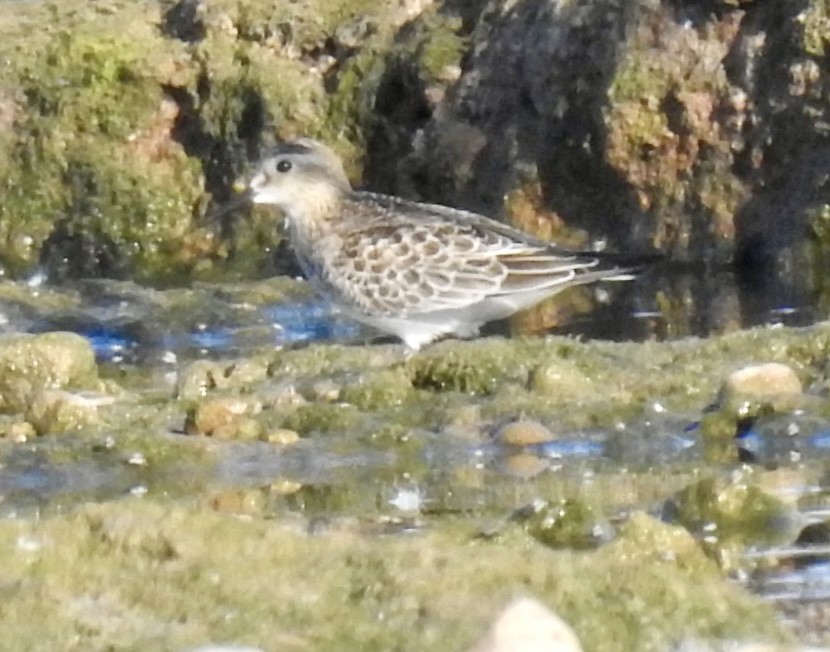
{"x": 417, "y": 271}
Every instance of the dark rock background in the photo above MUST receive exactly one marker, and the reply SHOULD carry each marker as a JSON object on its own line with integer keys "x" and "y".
{"x": 696, "y": 129}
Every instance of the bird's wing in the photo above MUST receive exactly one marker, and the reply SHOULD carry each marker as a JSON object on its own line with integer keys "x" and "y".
{"x": 424, "y": 212}
{"x": 405, "y": 267}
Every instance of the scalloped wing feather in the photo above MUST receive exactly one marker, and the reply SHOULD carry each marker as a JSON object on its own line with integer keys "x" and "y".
{"x": 402, "y": 258}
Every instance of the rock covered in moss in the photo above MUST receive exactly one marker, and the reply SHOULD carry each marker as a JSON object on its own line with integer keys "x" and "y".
{"x": 651, "y": 124}
{"x": 55, "y": 410}
{"x": 91, "y": 173}
{"x": 225, "y": 417}
{"x": 438, "y": 590}
{"x": 119, "y": 121}
{"x": 730, "y": 513}
{"x": 30, "y": 364}
{"x": 202, "y": 377}
{"x": 567, "y": 523}
{"x": 647, "y": 124}
{"x": 560, "y": 377}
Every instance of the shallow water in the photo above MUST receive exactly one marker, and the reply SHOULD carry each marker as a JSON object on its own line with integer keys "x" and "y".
{"x": 640, "y": 464}
{"x": 671, "y": 301}
{"x": 128, "y": 323}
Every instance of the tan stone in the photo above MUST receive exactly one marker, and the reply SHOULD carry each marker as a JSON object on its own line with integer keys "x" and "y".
{"x": 528, "y": 625}
{"x": 760, "y": 381}
{"x": 523, "y": 432}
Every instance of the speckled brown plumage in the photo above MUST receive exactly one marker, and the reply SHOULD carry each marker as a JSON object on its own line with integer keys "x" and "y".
{"x": 415, "y": 270}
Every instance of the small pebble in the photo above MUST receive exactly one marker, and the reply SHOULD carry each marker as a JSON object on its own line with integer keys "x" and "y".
{"x": 281, "y": 436}
{"x": 761, "y": 381}
{"x": 528, "y": 625}
{"x": 137, "y": 459}
{"x": 523, "y": 432}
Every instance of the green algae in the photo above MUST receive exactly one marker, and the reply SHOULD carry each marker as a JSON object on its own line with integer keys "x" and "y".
{"x": 434, "y": 44}
{"x": 90, "y": 139}
{"x": 124, "y": 131}
{"x": 32, "y": 363}
{"x": 729, "y": 514}
{"x": 36, "y": 298}
{"x": 449, "y": 369}
{"x": 378, "y": 390}
{"x": 640, "y": 75}
{"x": 428, "y": 46}
{"x": 50, "y": 385}
{"x": 359, "y": 404}
{"x": 569, "y": 524}
{"x": 301, "y": 25}
{"x": 327, "y": 418}
{"x": 819, "y": 220}
{"x": 651, "y": 586}
{"x": 202, "y": 376}
{"x": 262, "y": 52}
{"x": 665, "y": 136}
{"x": 816, "y": 24}
{"x": 336, "y": 389}
{"x": 329, "y": 359}
{"x": 140, "y": 575}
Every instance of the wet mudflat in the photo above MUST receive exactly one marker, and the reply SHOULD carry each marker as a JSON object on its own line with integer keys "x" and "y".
{"x": 235, "y": 463}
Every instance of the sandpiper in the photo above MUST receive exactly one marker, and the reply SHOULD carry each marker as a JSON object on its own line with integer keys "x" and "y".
{"x": 418, "y": 271}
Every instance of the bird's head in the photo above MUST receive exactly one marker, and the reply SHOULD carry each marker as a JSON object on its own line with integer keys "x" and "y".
{"x": 301, "y": 177}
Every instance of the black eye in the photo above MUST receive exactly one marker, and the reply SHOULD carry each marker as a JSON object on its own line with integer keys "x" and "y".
{"x": 283, "y": 166}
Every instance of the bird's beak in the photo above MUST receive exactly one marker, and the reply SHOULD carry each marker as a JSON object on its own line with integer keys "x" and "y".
{"x": 255, "y": 185}
{"x": 245, "y": 195}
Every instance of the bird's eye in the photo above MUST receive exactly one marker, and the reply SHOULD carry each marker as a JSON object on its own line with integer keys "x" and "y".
{"x": 283, "y": 166}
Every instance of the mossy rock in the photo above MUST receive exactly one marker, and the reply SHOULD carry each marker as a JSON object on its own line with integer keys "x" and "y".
{"x": 130, "y": 119}
{"x": 31, "y": 363}
{"x": 152, "y": 576}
